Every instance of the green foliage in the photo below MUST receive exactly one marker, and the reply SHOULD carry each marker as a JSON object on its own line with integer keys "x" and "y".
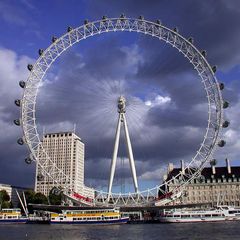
{"x": 6, "y": 204}
{"x": 4, "y": 196}
{"x": 29, "y": 196}
{"x": 40, "y": 198}
{"x": 54, "y": 198}
{"x": 37, "y": 198}
{"x": 4, "y": 199}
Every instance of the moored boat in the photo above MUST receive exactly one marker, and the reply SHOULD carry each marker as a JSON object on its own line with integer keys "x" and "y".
{"x": 220, "y": 213}
{"x": 89, "y": 216}
{"x": 12, "y": 215}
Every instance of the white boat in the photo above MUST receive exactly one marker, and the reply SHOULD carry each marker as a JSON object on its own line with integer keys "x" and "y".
{"x": 88, "y": 216}
{"x": 220, "y": 213}
{"x": 12, "y": 215}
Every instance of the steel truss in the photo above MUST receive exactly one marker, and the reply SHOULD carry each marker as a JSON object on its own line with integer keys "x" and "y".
{"x": 157, "y": 30}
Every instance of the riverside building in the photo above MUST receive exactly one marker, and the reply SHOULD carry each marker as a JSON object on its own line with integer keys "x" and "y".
{"x": 215, "y": 185}
{"x": 11, "y": 190}
{"x": 66, "y": 150}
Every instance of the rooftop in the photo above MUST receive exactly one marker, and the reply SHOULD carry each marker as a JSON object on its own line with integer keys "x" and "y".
{"x": 208, "y": 172}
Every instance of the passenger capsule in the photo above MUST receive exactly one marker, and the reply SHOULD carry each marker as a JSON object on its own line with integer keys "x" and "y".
{"x": 22, "y": 84}
{"x": 225, "y": 124}
{"x": 69, "y": 29}
{"x": 53, "y": 190}
{"x": 17, "y": 102}
{"x": 225, "y": 104}
{"x": 104, "y": 17}
{"x": 159, "y": 22}
{"x": 175, "y": 29}
{"x": 221, "y": 143}
{"x": 30, "y": 67}
{"x": 16, "y": 122}
{"x": 213, "y": 162}
{"x": 28, "y": 160}
{"x": 204, "y": 53}
{"x": 57, "y": 191}
{"x": 221, "y": 86}
{"x": 122, "y": 16}
{"x": 40, "y": 177}
{"x": 141, "y": 17}
{"x": 40, "y": 52}
{"x": 201, "y": 179}
{"x": 86, "y": 22}
{"x": 191, "y": 40}
{"x": 20, "y": 141}
{"x": 54, "y": 39}
{"x": 214, "y": 68}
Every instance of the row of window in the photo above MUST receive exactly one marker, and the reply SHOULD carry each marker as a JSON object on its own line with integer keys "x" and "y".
{"x": 58, "y": 135}
{"x": 195, "y": 216}
{"x": 9, "y": 217}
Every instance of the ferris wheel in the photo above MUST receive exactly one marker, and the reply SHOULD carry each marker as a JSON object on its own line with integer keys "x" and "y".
{"x": 212, "y": 87}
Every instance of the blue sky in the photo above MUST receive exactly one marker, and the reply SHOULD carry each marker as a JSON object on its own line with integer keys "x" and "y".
{"x": 101, "y": 68}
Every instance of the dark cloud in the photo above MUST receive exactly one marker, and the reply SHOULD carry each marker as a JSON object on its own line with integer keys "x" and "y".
{"x": 213, "y": 24}
{"x": 80, "y": 95}
{"x": 170, "y": 117}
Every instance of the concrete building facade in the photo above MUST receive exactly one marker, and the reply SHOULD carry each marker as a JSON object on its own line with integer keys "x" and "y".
{"x": 215, "y": 185}
{"x": 66, "y": 150}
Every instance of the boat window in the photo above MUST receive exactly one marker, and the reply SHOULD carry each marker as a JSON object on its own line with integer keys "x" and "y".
{"x": 53, "y": 218}
{"x": 232, "y": 212}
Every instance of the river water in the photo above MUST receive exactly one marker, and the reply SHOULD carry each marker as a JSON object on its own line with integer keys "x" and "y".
{"x": 179, "y": 231}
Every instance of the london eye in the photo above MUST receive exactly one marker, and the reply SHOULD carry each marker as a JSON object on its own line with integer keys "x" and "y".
{"x": 197, "y": 58}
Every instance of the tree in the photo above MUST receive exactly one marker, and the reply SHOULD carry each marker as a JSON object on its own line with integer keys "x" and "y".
{"x": 29, "y": 194}
{"x": 4, "y": 199}
{"x": 4, "y": 196}
{"x": 6, "y": 204}
{"x": 55, "y": 196}
{"x": 37, "y": 198}
{"x": 40, "y": 198}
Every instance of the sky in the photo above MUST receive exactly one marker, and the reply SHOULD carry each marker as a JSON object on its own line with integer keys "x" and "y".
{"x": 166, "y": 103}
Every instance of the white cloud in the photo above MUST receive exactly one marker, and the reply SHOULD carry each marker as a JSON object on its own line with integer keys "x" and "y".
{"x": 158, "y": 101}
{"x": 154, "y": 175}
{"x": 133, "y": 57}
{"x": 13, "y": 68}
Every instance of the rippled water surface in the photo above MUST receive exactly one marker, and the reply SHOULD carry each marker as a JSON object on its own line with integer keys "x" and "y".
{"x": 183, "y": 231}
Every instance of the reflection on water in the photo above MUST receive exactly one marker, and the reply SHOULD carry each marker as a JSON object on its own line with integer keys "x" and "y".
{"x": 182, "y": 231}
